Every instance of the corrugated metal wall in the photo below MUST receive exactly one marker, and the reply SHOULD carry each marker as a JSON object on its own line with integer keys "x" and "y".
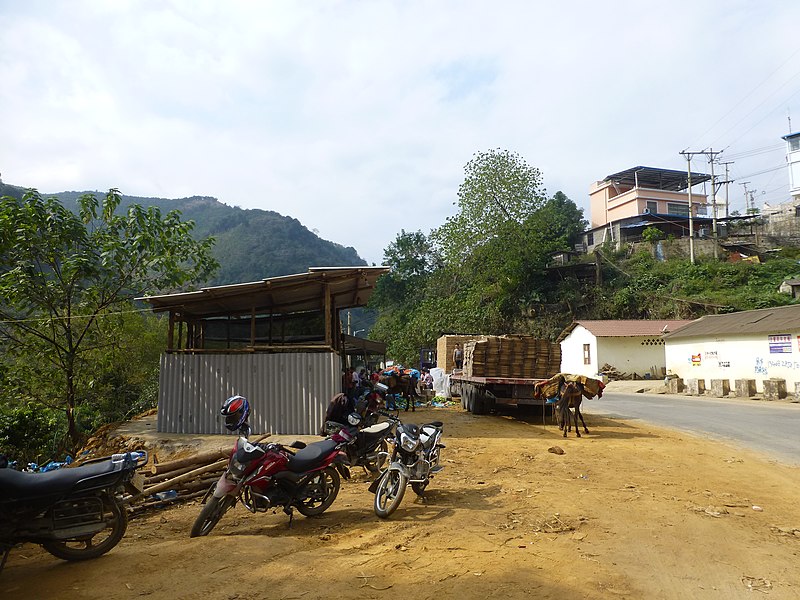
{"x": 288, "y": 393}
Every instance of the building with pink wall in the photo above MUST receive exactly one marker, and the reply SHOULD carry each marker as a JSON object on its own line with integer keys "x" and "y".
{"x": 625, "y": 203}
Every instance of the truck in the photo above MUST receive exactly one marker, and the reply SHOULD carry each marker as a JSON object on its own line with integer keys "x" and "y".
{"x": 498, "y": 370}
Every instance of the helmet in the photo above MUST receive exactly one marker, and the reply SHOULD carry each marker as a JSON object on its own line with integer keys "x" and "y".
{"x": 235, "y": 409}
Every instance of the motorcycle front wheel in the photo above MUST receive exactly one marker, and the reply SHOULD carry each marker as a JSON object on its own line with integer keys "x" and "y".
{"x": 212, "y": 512}
{"x": 96, "y": 544}
{"x": 319, "y": 493}
{"x": 389, "y": 494}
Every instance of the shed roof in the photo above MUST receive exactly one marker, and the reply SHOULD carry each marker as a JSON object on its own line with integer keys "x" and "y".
{"x": 625, "y": 328}
{"x": 657, "y": 179}
{"x": 349, "y": 287}
{"x": 781, "y": 319}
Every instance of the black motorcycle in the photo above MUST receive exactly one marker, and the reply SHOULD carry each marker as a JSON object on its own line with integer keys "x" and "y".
{"x": 74, "y": 513}
{"x": 414, "y": 460}
{"x": 365, "y": 435}
{"x": 367, "y": 447}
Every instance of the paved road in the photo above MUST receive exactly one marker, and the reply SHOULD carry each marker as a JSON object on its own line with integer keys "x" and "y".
{"x": 771, "y": 428}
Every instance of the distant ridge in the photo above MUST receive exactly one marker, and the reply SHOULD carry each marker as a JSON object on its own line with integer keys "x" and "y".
{"x": 252, "y": 244}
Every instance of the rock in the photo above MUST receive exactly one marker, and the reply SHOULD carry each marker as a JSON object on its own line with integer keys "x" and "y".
{"x": 556, "y": 450}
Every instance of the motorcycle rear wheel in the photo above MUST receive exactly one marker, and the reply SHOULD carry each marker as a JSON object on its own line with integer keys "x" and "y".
{"x": 389, "y": 494}
{"x": 374, "y": 466}
{"x": 96, "y": 544}
{"x": 212, "y": 512}
{"x": 319, "y": 493}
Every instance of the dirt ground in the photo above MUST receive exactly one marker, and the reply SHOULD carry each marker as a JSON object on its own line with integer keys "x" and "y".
{"x": 628, "y": 511}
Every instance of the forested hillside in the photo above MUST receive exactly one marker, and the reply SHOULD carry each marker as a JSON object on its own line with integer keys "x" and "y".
{"x": 250, "y": 244}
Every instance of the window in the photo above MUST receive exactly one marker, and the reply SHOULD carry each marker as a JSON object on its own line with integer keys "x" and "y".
{"x": 673, "y": 208}
{"x": 794, "y": 144}
{"x": 652, "y": 206}
{"x": 587, "y": 354}
{"x": 702, "y": 209}
{"x": 590, "y": 238}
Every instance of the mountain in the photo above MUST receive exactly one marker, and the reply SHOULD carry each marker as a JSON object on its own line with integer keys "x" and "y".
{"x": 251, "y": 244}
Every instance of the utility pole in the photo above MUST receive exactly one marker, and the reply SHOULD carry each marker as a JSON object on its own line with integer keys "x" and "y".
{"x": 746, "y": 202}
{"x": 727, "y": 181}
{"x": 688, "y": 156}
{"x": 711, "y": 155}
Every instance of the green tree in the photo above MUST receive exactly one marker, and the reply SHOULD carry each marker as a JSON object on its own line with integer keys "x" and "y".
{"x": 479, "y": 271}
{"x": 499, "y": 192}
{"x": 62, "y": 275}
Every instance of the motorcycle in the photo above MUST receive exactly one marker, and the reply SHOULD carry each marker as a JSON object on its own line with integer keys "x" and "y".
{"x": 75, "y": 513}
{"x": 414, "y": 460}
{"x": 270, "y": 476}
{"x": 367, "y": 446}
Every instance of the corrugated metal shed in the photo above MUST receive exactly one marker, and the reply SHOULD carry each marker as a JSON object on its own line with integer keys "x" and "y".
{"x": 347, "y": 287}
{"x": 288, "y": 392}
{"x": 229, "y": 347}
{"x": 764, "y": 320}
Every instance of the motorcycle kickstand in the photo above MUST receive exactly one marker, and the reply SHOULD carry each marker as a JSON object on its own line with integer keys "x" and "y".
{"x": 289, "y": 511}
{"x": 5, "y": 552}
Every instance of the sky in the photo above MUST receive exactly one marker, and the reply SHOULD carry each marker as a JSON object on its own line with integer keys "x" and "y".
{"x": 357, "y": 118}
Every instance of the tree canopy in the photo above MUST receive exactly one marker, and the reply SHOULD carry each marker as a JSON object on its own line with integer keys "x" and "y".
{"x": 64, "y": 277}
{"x": 481, "y": 269}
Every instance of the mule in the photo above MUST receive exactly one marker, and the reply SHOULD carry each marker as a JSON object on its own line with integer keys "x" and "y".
{"x": 570, "y": 395}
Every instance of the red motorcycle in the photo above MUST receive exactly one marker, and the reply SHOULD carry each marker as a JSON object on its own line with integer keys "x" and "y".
{"x": 268, "y": 476}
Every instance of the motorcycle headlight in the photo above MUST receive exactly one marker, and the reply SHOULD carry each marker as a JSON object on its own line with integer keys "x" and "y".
{"x": 408, "y": 443}
{"x": 236, "y": 469}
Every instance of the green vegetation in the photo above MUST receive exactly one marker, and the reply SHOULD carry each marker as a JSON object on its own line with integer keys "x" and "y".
{"x": 486, "y": 270}
{"x": 76, "y": 353}
{"x": 250, "y": 244}
{"x": 73, "y": 353}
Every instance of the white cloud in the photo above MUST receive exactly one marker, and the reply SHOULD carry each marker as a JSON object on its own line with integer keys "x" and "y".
{"x": 357, "y": 118}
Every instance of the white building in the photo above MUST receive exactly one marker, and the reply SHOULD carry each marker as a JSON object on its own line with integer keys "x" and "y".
{"x": 629, "y": 346}
{"x": 793, "y": 161}
{"x": 754, "y": 344}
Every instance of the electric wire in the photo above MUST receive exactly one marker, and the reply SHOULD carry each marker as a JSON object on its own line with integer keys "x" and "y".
{"x": 96, "y": 316}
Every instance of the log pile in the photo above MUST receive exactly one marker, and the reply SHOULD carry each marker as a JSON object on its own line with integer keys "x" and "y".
{"x": 179, "y": 480}
{"x": 519, "y": 356}
{"x": 614, "y": 374}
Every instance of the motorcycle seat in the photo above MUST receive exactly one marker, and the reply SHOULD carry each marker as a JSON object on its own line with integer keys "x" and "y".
{"x": 378, "y": 427}
{"x": 19, "y": 485}
{"x": 311, "y": 456}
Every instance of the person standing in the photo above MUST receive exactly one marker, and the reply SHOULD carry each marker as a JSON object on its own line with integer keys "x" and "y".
{"x": 458, "y": 356}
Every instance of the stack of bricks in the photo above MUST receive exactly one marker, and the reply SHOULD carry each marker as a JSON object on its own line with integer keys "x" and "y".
{"x": 517, "y": 356}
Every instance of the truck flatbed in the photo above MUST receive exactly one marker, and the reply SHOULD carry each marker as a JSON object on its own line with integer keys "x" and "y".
{"x": 480, "y": 395}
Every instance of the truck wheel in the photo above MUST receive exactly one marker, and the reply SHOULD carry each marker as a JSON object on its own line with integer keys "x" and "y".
{"x": 478, "y": 403}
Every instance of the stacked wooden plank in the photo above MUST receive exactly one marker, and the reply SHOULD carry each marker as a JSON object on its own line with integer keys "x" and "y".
{"x": 445, "y": 346}
{"x": 517, "y": 356}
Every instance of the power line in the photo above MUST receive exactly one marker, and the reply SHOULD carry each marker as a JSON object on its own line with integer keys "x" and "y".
{"x": 750, "y": 93}
{"x": 97, "y": 316}
{"x": 755, "y": 151}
